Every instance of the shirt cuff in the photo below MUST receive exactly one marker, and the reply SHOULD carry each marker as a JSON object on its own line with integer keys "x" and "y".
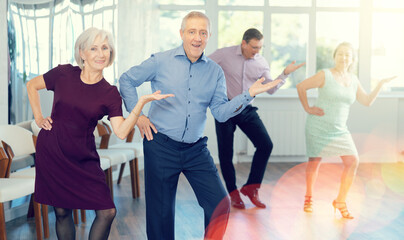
{"x": 246, "y": 97}
{"x": 283, "y": 76}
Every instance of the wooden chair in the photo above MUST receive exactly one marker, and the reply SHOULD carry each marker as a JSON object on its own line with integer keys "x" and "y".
{"x": 4, "y": 164}
{"x": 14, "y": 188}
{"x": 30, "y": 174}
{"x": 118, "y": 155}
{"x": 21, "y": 141}
{"x": 137, "y": 148}
{"x": 24, "y": 155}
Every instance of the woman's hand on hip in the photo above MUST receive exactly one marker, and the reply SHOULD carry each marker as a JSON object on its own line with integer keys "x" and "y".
{"x": 45, "y": 123}
{"x": 315, "y": 111}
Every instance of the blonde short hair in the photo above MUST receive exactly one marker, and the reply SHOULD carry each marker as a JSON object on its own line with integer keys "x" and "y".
{"x": 349, "y": 45}
{"x": 87, "y": 38}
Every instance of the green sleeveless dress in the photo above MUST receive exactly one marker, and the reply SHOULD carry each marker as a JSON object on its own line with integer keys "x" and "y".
{"x": 328, "y": 135}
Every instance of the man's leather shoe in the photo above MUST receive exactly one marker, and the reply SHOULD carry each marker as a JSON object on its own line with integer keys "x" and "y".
{"x": 236, "y": 200}
{"x": 252, "y": 193}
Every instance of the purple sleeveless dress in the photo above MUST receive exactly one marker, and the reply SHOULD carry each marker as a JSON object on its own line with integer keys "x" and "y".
{"x": 68, "y": 172}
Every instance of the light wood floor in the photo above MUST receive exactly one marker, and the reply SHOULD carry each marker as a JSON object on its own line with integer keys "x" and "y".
{"x": 376, "y": 200}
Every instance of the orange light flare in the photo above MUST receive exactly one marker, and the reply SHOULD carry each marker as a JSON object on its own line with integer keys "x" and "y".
{"x": 379, "y": 183}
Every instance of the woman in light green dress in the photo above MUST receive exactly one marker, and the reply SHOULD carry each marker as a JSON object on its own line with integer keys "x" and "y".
{"x": 327, "y": 134}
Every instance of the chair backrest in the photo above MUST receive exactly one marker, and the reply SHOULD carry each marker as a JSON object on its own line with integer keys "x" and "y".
{"x": 35, "y": 129}
{"x": 5, "y": 164}
{"x": 10, "y": 155}
{"x": 26, "y": 124}
{"x": 102, "y": 130}
{"x": 18, "y": 138}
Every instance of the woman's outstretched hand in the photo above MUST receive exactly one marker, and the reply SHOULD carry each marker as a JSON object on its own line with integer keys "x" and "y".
{"x": 387, "y": 80}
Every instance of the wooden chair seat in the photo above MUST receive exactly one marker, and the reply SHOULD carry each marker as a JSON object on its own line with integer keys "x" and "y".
{"x": 14, "y": 188}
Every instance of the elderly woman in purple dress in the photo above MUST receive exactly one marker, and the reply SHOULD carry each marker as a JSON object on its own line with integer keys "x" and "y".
{"x": 68, "y": 173}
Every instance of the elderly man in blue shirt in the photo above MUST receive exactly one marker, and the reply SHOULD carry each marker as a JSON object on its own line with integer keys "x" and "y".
{"x": 174, "y": 142}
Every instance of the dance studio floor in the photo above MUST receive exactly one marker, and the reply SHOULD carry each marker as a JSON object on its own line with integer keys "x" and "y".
{"x": 376, "y": 200}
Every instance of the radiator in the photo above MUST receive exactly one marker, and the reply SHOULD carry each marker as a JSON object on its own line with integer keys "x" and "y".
{"x": 286, "y": 129}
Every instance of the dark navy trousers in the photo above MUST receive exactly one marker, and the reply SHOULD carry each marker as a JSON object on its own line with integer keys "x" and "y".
{"x": 250, "y": 123}
{"x": 165, "y": 159}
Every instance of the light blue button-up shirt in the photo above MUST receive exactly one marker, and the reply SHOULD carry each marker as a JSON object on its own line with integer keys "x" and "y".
{"x": 196, "y": 87}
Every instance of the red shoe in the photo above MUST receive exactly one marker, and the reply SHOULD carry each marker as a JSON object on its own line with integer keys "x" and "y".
{"x": 236, "y": 200}
{"x": 252, "y": 193}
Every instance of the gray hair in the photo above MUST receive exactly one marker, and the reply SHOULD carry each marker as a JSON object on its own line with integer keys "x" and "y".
{"x": 194, "y": 14}
{"x": 354, "y": 58}
{"x": 87, "y": 38}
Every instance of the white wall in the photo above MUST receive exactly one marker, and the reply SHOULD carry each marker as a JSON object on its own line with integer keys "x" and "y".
{"x": 3, "y": 64}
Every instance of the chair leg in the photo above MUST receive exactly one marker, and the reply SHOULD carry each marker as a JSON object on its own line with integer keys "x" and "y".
{"x": 137, "y": 177}
{"x": 134, "y": 177}
{"x": 83, "y": 215}
{"x": 75, "y": 216}
{"x": 45, "y": 220}
{"x": 108, "y": 179}
{"x": 3, "y": 235}
{"x": 121, "y": 172}
{"x": 38, "y": 222}
{"x": 30, "y": 212}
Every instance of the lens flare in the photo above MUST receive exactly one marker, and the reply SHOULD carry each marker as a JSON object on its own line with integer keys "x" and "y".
{"x": 393, "y": 176}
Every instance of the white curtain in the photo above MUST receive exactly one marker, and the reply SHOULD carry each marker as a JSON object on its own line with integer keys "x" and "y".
{"x": 137, "y": 38}
{"x": 136, "y": 34}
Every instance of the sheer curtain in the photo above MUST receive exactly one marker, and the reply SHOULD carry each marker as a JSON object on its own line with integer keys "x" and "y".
{"x": 136, "y": 35}
{"x": 137, "y": 38}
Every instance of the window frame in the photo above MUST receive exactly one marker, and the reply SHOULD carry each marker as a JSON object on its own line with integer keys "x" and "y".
{"x": 365, "y": 11}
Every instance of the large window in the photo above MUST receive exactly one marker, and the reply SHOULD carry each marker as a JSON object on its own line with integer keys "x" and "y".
{"x": 46, "y": 33}
{"x": 305, "y": 31}
{"x": 289, "y": 40}
{"x": 387, "y": 57}
{"x": 232, "y": 25}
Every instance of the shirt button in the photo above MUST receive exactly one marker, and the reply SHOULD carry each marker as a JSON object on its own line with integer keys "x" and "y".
{"x": 189, "y": 89}
{"x": 189, "y": 115}
{"x": 189, "y": 102}
{"x": 190, "y": 75}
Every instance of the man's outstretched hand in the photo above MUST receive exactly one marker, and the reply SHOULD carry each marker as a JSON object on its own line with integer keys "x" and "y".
{"x": 258, "y": 87}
